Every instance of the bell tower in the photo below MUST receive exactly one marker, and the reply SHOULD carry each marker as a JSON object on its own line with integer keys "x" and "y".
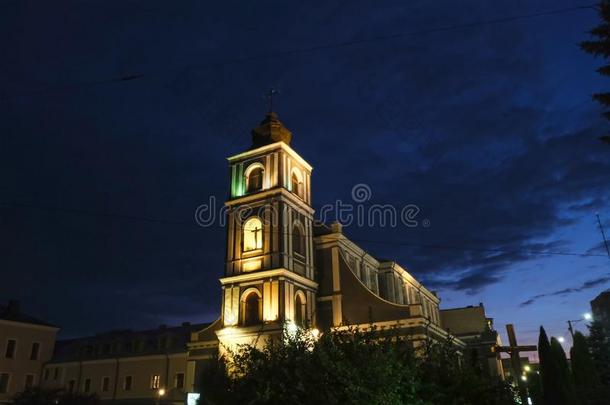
{"x": 269, "y": 270}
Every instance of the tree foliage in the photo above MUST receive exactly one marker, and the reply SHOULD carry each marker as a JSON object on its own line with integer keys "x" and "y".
{"x": 599, "y": 347}
{"x": 600, "y": 46}
{"x": 586, "y": 378}
{"x": 349, "y": 367}
{"x": 42, "y": 396}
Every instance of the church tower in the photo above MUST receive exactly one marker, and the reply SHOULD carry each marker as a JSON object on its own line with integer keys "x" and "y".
{"x": 269, "y": 271}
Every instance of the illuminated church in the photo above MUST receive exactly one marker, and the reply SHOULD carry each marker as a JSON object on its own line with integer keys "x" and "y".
{"x": 283, "y": 267}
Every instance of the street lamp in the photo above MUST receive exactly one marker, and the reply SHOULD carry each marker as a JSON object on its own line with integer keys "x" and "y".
{"x": 588, "y": 316}
{"x": 561, "y": 339}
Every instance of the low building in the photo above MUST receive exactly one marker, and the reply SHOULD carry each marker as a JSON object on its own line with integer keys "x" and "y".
{"x": 600, "y": 307}
{"x": 26, "y": 343}
{"x": 472, "y": 326}
{"x": 126, "y": 367}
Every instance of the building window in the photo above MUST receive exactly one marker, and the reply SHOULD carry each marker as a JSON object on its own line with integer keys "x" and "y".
{"x": 87, "y": 385}
{"x": 179, "y": 381}
{"x": 56, "y": 374}
{"x": 254, "y": 178}
{"x": 105, "y": 384}
{"x": 298, "y": 242}
{"x": 128, "y": 383}
{"x": 4, "y": 380}
{"x": 296, "y": 186}
{"x": 11, "y": 348}
{"x": 251, "y": 309}
{"x": 71, "y": 385}
{"x": 46, "y": 374}
{"x": 35, "y": 351}
{"x": 29, "y": 381}
{"x": 155, "y": 381}
{"x": 253, "y": 234}
{"x": 299, "y": 309}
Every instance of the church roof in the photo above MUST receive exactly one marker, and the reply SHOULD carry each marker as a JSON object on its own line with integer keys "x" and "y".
{"x": 270, "y": 130}
{"x": 126, "y": 343}
{"x": 12, "y": 313}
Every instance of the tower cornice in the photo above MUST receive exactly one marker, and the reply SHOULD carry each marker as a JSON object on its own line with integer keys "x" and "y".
{"x": 266, "y": 148}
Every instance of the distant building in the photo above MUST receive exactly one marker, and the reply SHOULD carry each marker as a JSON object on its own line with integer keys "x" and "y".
{"x": 472, "y": 326}
{"x": 600, "y": 307}
{"x": 125, "y": 366}
{"x": 26, "y": 343}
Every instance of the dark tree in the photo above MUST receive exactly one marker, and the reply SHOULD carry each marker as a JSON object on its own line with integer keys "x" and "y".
{"x": 351, "y": 367}
{"x": 566, "y": 385}
{"x": 599, "y": 346}
{"x": 600, "y": 46}
{"x": 586, "y": 379}
{"x": 548, "y": 370}
{"x": 41, "y": 396}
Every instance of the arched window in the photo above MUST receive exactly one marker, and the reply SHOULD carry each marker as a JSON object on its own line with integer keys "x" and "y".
{"x": 251, "y": 309}
{"x": 254, "y": 177}
{"x": 299, "y": 309}
{"x": 253, "y": 234}
{"x": 296, "y": 183}
{"x": 298, "y": 242}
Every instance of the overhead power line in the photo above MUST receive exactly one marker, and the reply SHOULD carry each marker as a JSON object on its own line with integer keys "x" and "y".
{"x": 301, "y": 50}
{"x": 74, "y": 211}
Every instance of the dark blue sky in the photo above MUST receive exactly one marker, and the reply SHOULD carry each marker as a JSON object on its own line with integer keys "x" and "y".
{"x": 490, "y": 130}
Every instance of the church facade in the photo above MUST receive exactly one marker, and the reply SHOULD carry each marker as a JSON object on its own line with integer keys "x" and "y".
{"x": 282, "y": 267}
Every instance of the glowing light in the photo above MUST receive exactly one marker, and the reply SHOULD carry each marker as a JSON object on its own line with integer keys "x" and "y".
{"x": 291, "y": 328}
{"x": 161, "y": 392}
{"x": 524, "y": 378}
{"x": 253, "y": 234}
{"x": 561, "y": 339}
{"x": 588, "y": 316}
{"x": 315, "y": 333}
{"x": 252, "y": 265}
{"x": 527, "y": 368}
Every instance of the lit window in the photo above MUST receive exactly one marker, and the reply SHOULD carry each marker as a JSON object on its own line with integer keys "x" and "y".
{"x": 155, "y": 381}
{"x": 254, "y": 178}
{"x": 253, "y": 234}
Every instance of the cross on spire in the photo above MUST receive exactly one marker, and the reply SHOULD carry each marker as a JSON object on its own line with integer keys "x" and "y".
{"x": 272, "y": 91}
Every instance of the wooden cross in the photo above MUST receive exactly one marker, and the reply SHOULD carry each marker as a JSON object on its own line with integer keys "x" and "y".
{"x": 515, "y": 359}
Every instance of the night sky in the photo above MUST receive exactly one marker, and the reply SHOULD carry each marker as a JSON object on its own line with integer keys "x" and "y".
{"x": 490, "y": 129}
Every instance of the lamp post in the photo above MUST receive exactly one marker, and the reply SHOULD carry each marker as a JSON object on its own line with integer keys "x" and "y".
{"x": 585, "y": 317}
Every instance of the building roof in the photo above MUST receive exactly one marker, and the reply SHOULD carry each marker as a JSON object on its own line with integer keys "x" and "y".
{"x": 12, "y": 312}
{"x": 126, "y": 343}
{"x": 270, "y": 130}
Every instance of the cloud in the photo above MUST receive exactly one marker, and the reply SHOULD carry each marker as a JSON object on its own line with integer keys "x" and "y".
{"x": 570, "y": 290}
